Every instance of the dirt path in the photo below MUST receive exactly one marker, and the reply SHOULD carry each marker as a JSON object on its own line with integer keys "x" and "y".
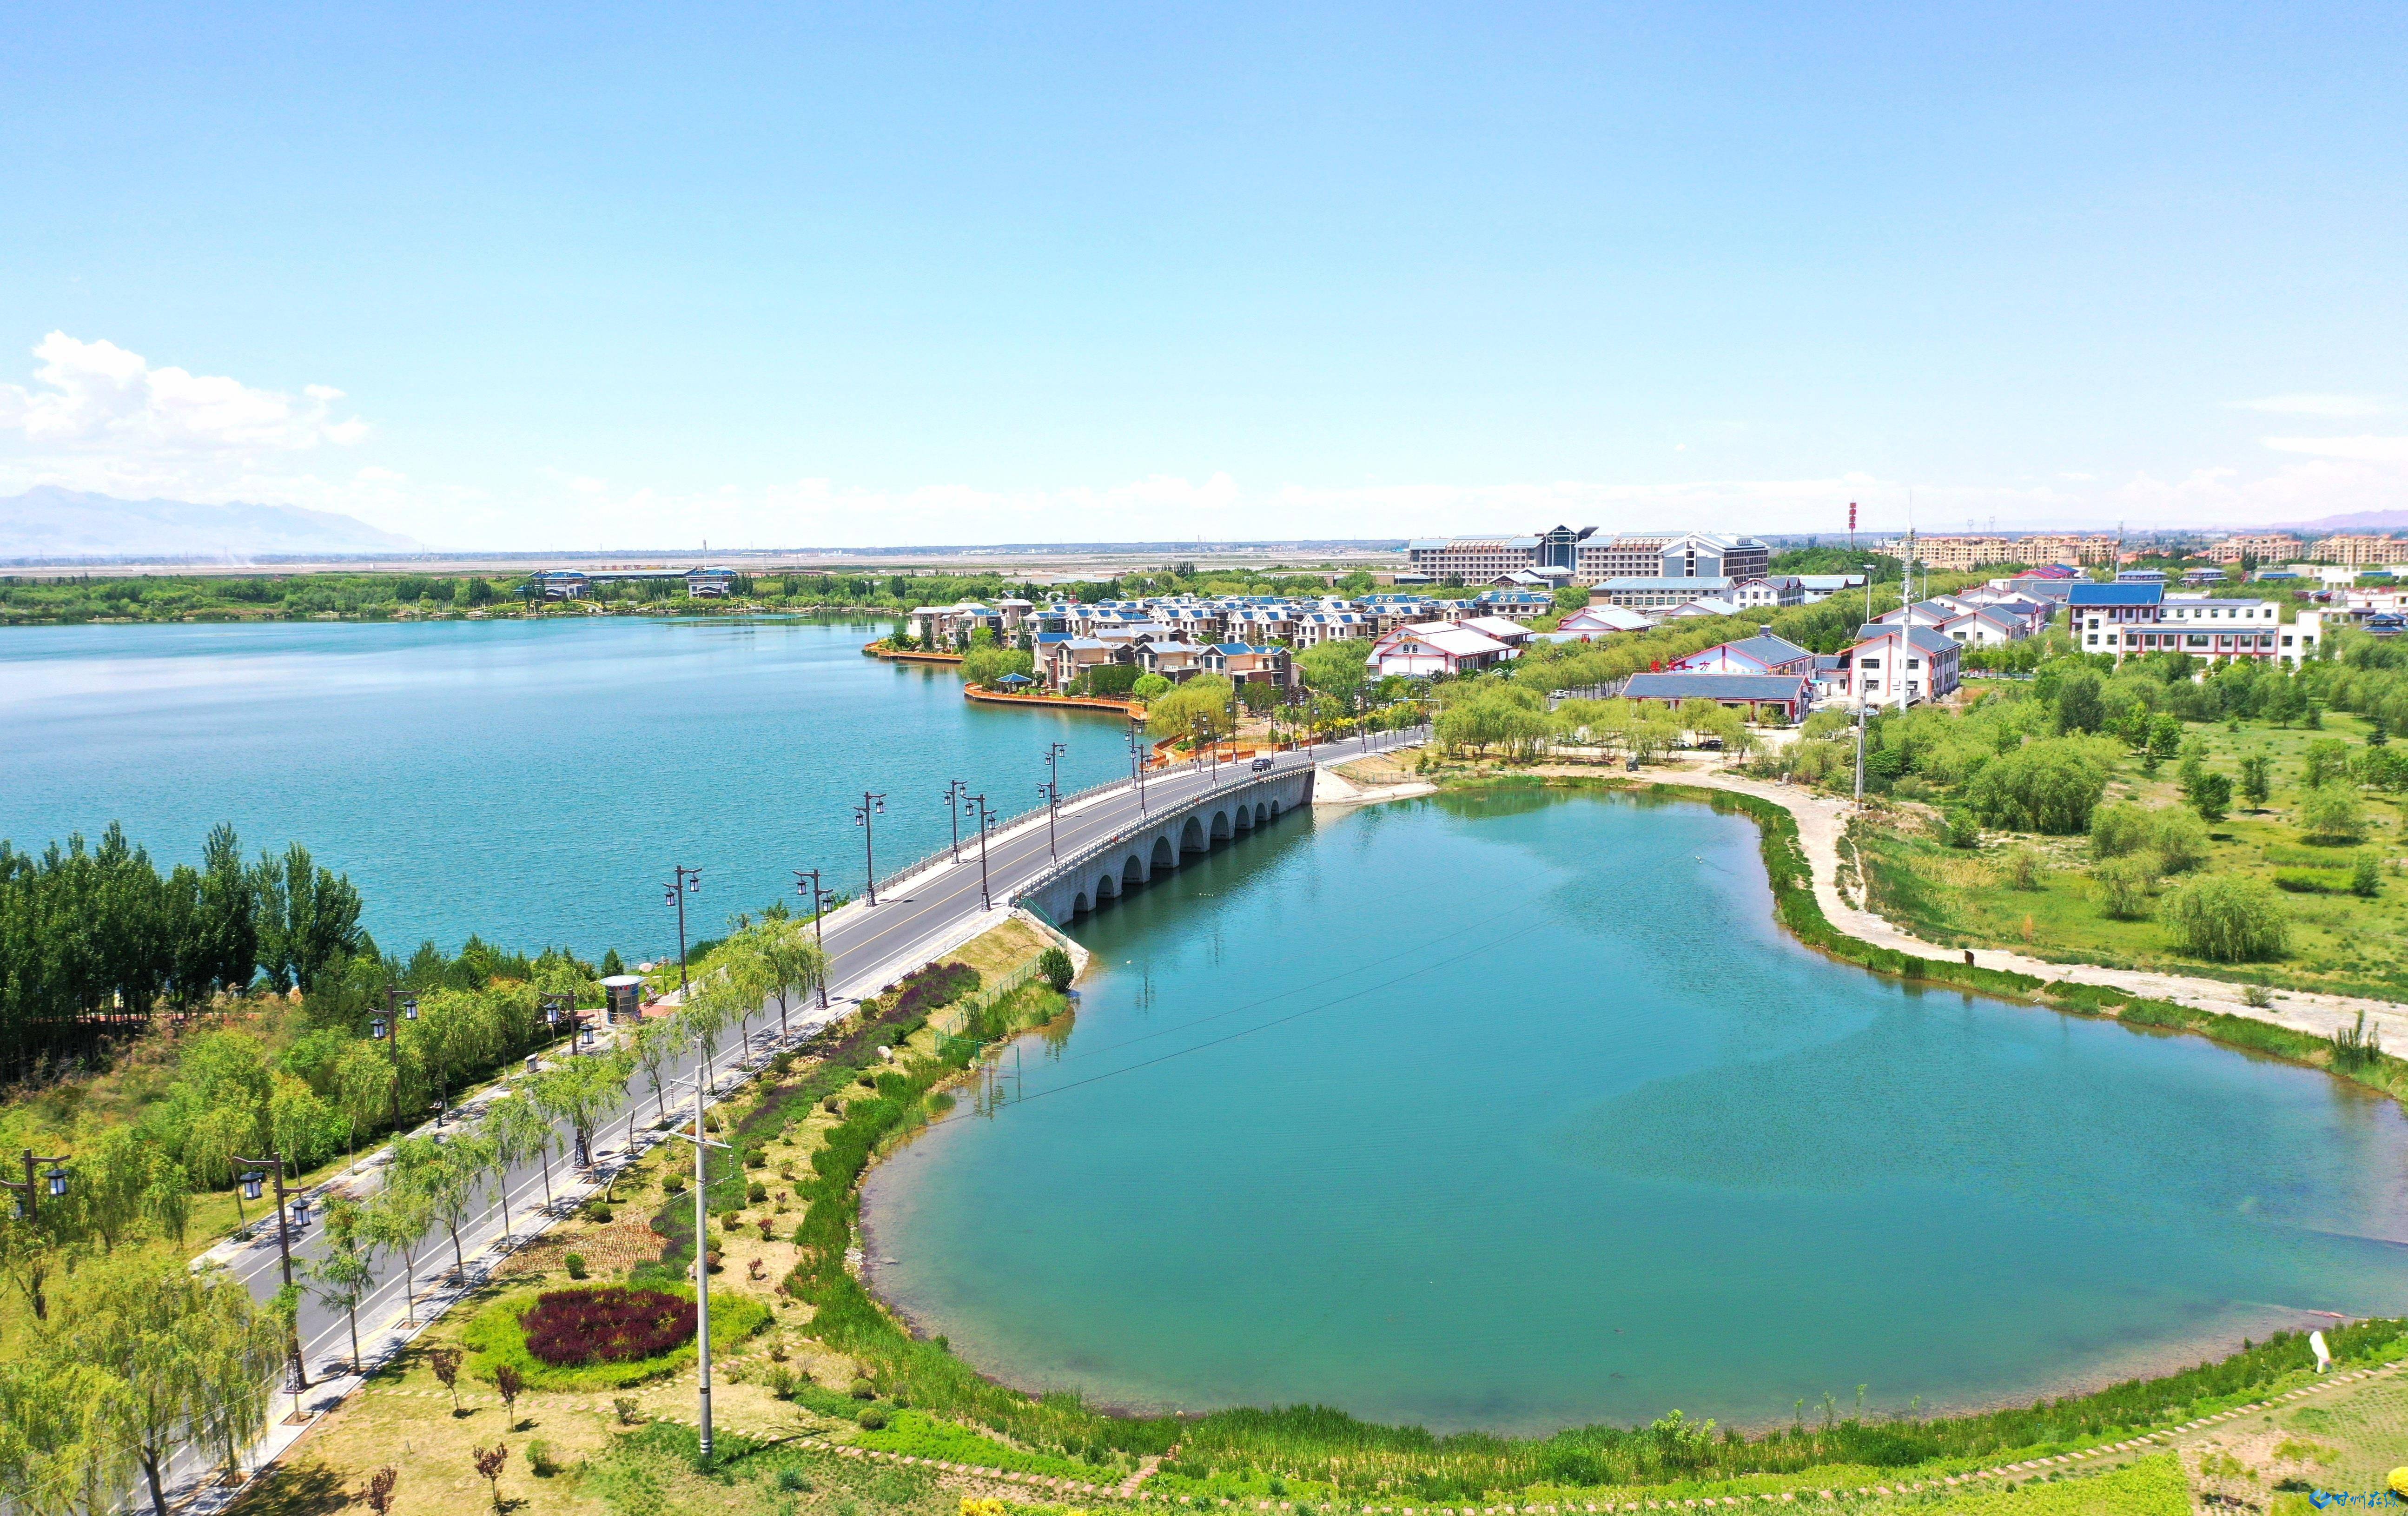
{"x": 1820, "y": 824}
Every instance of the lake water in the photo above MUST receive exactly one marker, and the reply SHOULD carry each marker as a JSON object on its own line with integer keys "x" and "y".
{"x": 532, "y": 782}
{"x": 1517, "y": 1112}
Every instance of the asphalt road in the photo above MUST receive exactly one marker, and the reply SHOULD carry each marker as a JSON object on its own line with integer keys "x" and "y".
{"x": 868, "y": 946}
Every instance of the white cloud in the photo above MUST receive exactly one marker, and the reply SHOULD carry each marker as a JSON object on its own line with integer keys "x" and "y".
{"x": 2314, "y": 404}
{"x": 2369, "y": 449}
{"x": 91, "y": 396}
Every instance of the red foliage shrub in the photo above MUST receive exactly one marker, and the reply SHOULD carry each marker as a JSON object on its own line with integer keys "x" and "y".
{"x": 571, "y": 1327}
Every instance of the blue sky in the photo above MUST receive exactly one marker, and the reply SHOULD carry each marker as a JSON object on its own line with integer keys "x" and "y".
{"x": 526, "y": 277}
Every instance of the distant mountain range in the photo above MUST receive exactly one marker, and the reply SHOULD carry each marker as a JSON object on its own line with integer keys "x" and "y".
{"x": 2364, "y": 521}
{"x": 49, "y": 522}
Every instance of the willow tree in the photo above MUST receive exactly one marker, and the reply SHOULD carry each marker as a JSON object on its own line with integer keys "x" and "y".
{"x": 397, "y": 1221}
{"x": 345, "y": 1273}
{"x": 519, "y": 1132}
{"x": 445, "y": 1174}
{"x": 190, "y": 1356}
{"x": 791, "y": 964}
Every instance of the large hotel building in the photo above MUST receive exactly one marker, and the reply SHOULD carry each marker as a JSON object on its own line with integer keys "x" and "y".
{"x": 1591, "y": 559}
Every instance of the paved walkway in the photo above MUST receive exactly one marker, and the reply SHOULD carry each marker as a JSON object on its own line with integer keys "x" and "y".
{"x": 1822, "y": 822}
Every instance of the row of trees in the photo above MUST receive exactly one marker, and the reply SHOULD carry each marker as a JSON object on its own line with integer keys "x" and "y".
{"x": 89, "y": 930}
{"x": 139, "y": 1356}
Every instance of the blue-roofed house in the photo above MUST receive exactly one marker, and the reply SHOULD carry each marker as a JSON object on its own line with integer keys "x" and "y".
{"x": 1763, "y": 653}
{"x": 1787, "y": 693}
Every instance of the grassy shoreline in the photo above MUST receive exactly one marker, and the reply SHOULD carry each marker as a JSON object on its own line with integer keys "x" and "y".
{"x": 1314, "y": 1453}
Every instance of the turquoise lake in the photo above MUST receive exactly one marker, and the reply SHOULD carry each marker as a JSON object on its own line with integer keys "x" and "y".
{"x": 1517, "y": 1112}
{"x": 532, "y": 782}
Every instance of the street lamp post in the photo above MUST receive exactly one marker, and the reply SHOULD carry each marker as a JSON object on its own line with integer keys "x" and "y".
{"x": 386, "y": 1029}
{"x": 819, "y": 899}
{"x": 955, "y": 793}
{"x": 871, "y": 804}
{"x": 30, "y": 1191}
{"x": 688, "y": 881}
{"x": 1052, "y": 793}
{"x": 985, "y": 821}
{"x": 557, "y": 1008}
{"x": 261, "y": 1168}
{"x": 1137, "y": 760}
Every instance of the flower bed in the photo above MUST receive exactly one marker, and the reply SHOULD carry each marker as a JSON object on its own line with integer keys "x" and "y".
{"x": 572, "y": 1328}
{"x": 583, "y": 1328}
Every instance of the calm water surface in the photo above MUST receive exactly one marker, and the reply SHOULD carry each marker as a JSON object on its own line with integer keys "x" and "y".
{"x": 1517, "y": 1112}
{"x": 529, "y": 780}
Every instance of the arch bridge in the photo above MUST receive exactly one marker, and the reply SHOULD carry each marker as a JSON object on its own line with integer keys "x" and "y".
{"x": 1164, "y": 840}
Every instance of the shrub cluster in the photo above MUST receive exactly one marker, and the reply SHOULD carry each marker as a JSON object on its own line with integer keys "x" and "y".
{"x": 934, "y": 988}
{"x": 570, "y": 1327}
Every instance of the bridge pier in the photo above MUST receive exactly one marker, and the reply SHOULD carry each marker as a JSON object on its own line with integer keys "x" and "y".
{"x": 1164, "y": 841}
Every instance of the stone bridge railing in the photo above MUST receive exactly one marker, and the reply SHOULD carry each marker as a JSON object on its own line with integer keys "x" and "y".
{"x": 1130, "y": 856}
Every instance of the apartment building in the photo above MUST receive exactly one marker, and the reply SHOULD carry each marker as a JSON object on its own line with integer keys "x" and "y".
{"x": 2351, "y": 550}
{"x": 1963, "y": 555}
{"x": 2267, "y": 549}
{"x": 2067, "y": 548}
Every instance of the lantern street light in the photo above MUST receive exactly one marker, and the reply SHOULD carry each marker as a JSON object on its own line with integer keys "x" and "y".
{"x": 386, "y": 1029}
{"x": 1136, "y": 759}
{"x": 1051, "y": 792}
{"x": 872, "y": 804}
{"x": 559, "y": 1010}
{"x": 262, "y": 1169}
{"x": 986, "y": 822}
{"x": 819, "y": 899}
{"x": 956, "y": 791}
{"x": 29, "y": 1191}
{"x": 688, "y": 881}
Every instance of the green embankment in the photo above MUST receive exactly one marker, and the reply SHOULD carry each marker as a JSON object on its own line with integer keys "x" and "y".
{"x": 1303, "y": 1454}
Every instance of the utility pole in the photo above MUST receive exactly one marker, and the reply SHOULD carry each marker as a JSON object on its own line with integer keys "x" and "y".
{"x": 871, "y": 804}
{"x": 1050, "y": 792}
{"x": 1860, "y": 752}
{"x": 688, "y": 881}
{"x": 702, "y": 1146}
{"x": 819, "y": 899}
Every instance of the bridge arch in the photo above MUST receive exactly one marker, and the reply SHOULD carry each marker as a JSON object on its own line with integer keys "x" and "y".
{"x": 1107, "y": 871}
